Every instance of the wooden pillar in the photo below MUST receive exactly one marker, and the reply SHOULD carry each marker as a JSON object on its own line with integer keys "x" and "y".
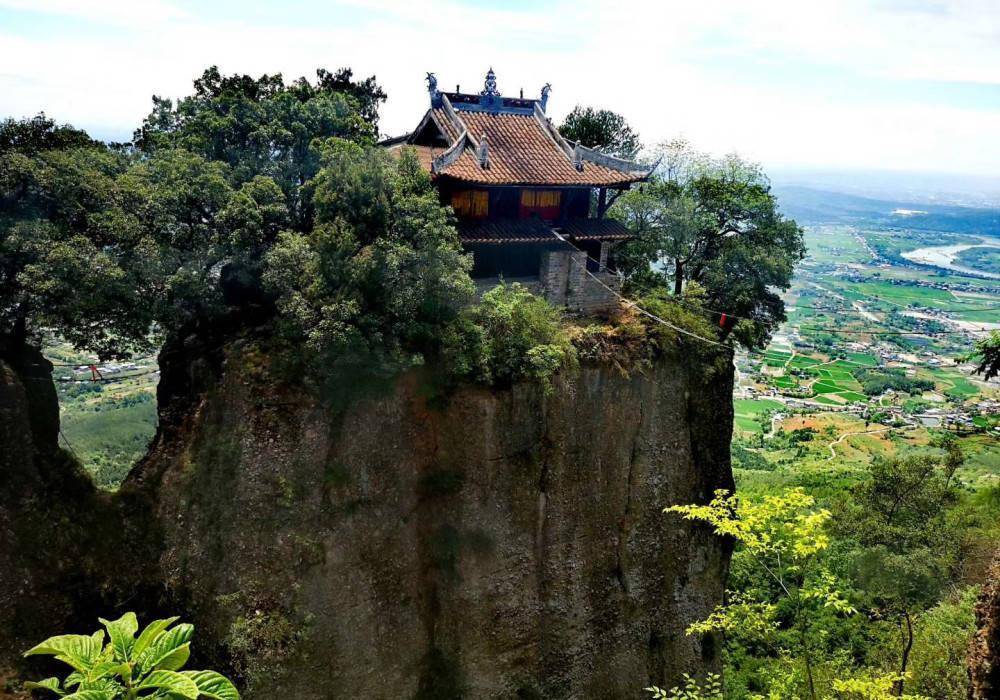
{"x": 602, "y": 202}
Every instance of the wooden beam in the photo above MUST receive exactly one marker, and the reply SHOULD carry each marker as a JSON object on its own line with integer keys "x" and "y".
{"x": 614, "y": 198}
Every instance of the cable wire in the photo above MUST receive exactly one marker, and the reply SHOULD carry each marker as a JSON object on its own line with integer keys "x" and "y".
{"x": 635, "y": 305}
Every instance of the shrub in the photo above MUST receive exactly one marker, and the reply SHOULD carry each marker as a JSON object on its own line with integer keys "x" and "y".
{"x": 509, "y": 336}
{"x": 943, "y": 635}
{"x": 748, "y": 459}
{"x": 685, "y": 314}
{"x": 692, "y": 690}
{"x": 127, "y": 665}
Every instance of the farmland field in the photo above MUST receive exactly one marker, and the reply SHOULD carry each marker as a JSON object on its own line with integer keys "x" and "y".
{"x": 859, "y": 309}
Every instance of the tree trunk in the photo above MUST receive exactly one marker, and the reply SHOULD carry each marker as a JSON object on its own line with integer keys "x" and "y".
{"x": 907, "y": 646}
{"x": 678, "y": 277}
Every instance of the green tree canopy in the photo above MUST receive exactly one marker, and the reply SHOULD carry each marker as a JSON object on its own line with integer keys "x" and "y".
{"x": 898, "y": 517}
{"x": 602, "y": 129}
{"x": 271, "y": 193}
{"x": 717, "y": 223}
{"x": 64, "y": 263}
{"x": 219, "y": 187}
{"x": 264, "y": 127}
{"x": 987, "y": 356}
{"x": 39, "y": 133}
{"x": 382, "y": 269}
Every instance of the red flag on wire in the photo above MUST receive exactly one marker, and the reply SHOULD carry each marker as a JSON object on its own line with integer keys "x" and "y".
{"x": 726, "y": 322}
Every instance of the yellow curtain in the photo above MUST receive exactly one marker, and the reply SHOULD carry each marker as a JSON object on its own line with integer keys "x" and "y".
{"x": 480, "y": 203}
{"x": 540, "y": 198}
{"x": 473, "y": 203}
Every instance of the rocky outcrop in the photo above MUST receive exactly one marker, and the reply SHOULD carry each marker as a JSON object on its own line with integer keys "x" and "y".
{"x": 490, "y": 543}
{"x": 401, "y": 543}
{"x": 984, "y": 655}
{"x": 31, "y": 467}
{"x": 40, "y": 491}
{"x": 67, "y": 551}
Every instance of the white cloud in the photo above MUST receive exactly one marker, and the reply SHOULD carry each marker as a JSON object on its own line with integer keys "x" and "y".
{"x": 656, "y": 62}
{"x": 108, "y": 11}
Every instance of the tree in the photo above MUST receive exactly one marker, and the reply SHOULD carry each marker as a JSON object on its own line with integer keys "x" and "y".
{"x": 714, "y": 222}
{"x": 987, "y": 354}
{"x": 601, "y": 129}
{"x": 127, "y": 667}
{"x": 271, "y": 196}
{"x": 263, "y": 127}
{"x": 368, "y": 93}
{"x": 783, "y": 537}
{"x": 31, "y": 136}
{"x": 63, "y": 264}
{"x": 898, "y": 517}
{"x": 380, "y": 273}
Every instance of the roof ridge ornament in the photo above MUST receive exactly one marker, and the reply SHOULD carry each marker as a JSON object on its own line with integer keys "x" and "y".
{"x": 483, "y": 153}
{"x": 432, "y": 89}
{"x": 546, "y": 89}
{"x": 490, "y": 85}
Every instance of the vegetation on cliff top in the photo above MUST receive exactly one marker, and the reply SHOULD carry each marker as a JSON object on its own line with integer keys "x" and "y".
{"x": 261, "y": 201}
{"x": 717, "y": 223}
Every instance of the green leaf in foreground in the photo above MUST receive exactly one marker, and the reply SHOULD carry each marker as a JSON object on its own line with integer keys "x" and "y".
{"x": 127, "y": 668}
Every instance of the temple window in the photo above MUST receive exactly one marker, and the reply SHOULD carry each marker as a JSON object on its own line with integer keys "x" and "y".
{"x": 544, "y": 203}
{"x": 471, "y": 204}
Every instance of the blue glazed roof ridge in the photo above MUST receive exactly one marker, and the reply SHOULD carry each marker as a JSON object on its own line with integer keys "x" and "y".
{"x": 468, "y": 102}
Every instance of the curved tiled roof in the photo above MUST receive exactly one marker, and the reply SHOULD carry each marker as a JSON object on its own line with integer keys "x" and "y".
{"x": 523, "y": 152}
{"x": 523, "y": 148}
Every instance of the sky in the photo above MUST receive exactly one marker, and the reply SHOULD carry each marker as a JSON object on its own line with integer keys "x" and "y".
{"x": 877, "y": 85}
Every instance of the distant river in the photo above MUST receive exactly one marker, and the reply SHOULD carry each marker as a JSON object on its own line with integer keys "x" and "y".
{"x": 944, "y": 256}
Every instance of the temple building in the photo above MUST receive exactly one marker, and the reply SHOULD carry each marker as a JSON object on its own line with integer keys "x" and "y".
{"x": 530, "y": 204}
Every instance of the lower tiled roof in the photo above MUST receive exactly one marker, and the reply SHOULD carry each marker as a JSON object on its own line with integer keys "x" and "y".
{"x": 532, "y": 230}
{"x": 594, "y": 229}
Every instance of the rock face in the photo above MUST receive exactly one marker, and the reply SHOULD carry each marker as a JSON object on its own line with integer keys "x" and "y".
{"x": 491, "y": 544}
{"x": 51, "y": 517}
{"x": 502, "y": 543}
{"x": 984, "y": 655}
{"x": 67, "y": 552}
{"x": 31, "y": 467}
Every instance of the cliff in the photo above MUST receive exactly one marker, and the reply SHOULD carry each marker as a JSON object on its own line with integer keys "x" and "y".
{"x": 485, "y": 543}
{"x": 504, "y": 543}
{"x": 984, "y": 668}
{"x": 67, "y": 551}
